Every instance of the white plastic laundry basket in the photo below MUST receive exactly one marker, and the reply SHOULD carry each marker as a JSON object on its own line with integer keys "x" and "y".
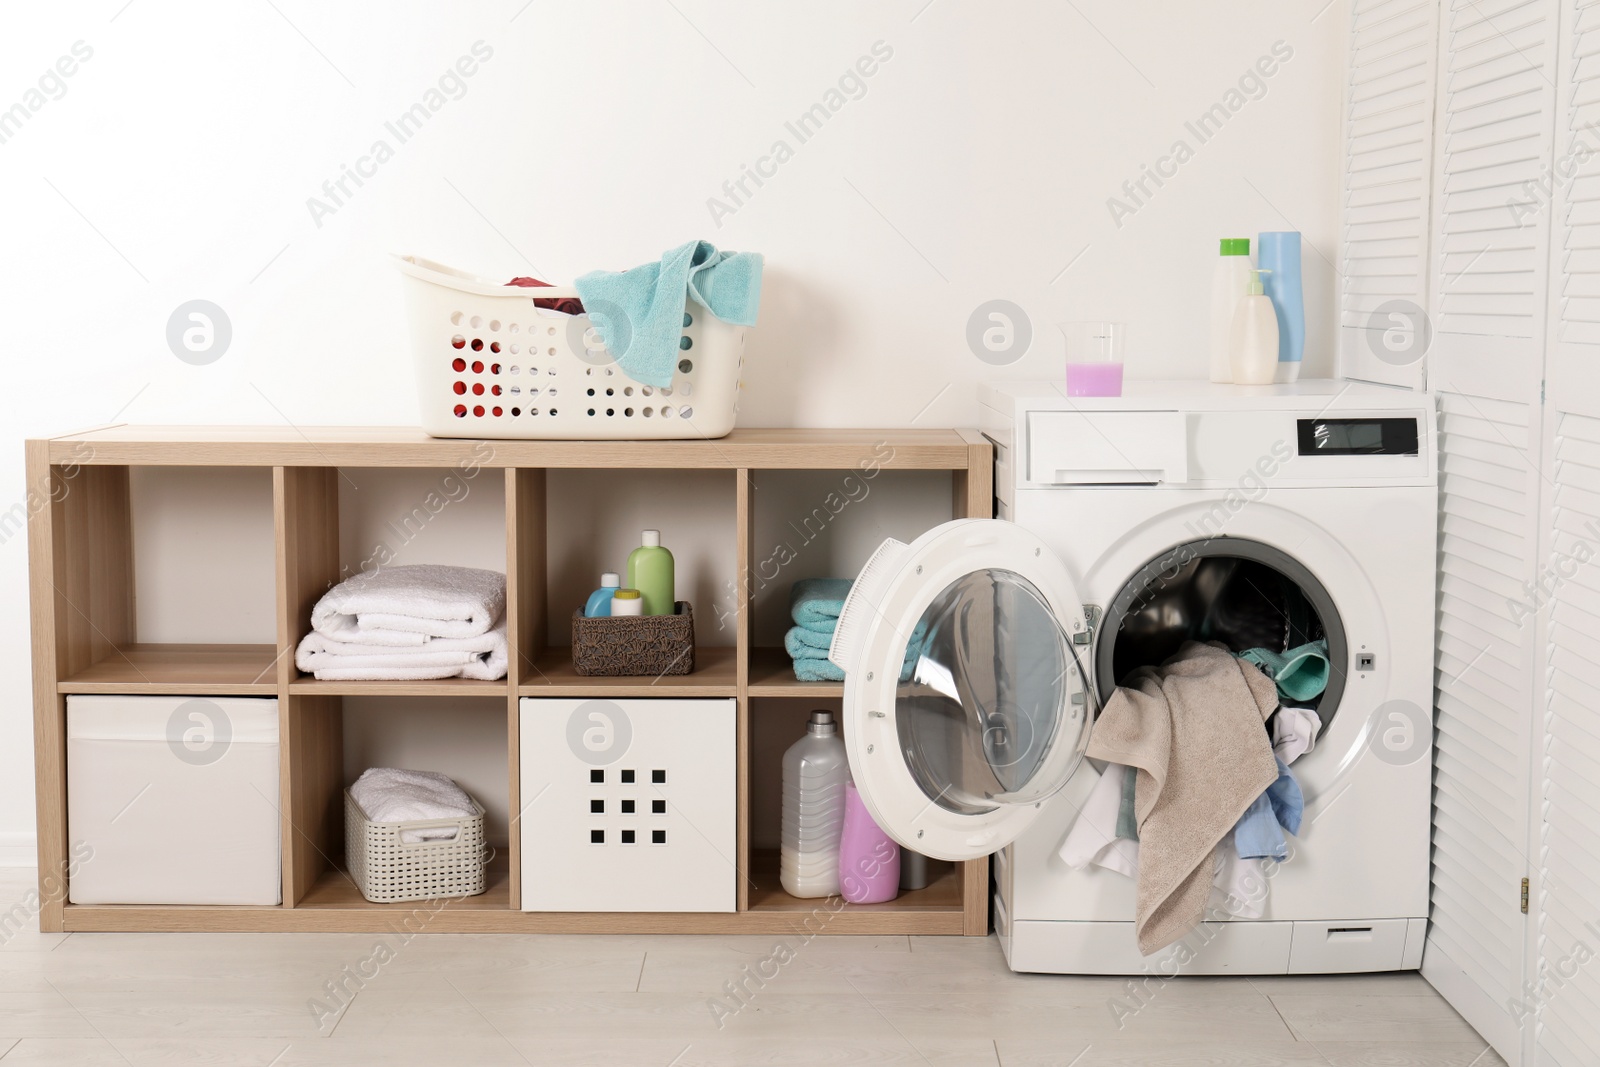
{"x": 491, "y": 364}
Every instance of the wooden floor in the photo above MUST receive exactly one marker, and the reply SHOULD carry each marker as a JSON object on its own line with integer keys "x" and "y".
{"x": 486, "y": 1000}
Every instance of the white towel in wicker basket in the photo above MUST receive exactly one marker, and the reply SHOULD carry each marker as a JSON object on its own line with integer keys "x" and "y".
{"x": 387, "y": 868}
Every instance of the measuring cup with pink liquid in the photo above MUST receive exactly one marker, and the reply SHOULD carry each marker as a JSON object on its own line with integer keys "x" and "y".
{"x": 1095, "y": 353}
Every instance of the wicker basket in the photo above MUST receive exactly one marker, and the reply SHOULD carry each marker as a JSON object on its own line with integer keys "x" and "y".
{"x": 386, "y": 868}
{"x": 652, "y": 645}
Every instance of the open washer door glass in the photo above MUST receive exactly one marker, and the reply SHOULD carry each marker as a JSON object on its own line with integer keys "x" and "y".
{"x": 965, "y": 704}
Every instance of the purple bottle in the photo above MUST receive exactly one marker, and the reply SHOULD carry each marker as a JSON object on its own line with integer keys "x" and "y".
{"x": 869, "y": 859}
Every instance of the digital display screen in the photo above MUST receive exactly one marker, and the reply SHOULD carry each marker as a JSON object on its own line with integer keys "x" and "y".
{"x": 1358, "y": 437}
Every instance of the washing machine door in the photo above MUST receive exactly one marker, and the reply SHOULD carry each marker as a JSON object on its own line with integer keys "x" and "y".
{"x": 966, "y": 704}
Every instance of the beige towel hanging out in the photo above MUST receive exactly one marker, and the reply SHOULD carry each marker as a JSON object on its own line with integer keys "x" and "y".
{"x": 1193, "y": 728}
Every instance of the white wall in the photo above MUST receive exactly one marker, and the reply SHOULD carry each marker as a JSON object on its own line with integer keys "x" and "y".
{"x": 176, "y": 162}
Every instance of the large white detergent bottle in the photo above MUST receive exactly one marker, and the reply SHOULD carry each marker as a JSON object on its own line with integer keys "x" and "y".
{"x": 815, "y": 770}
{"x": 1253, "y": 341}
{"x": 1228, "y": 282}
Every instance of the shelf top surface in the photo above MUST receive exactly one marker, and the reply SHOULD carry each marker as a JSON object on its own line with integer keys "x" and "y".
{"x": 403, "y": 446}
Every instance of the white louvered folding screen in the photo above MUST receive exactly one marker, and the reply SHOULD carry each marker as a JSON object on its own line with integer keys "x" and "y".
{"x": 1575, "y": 179}
{"x": 1489, "y": 247}
{"x": 1565, "y": 994}
{"x": 1512, "y": 292}
{"x": 1484, "y": 686}
{"x": 1387, "y": 174}
{"x": 1490, "y": 258}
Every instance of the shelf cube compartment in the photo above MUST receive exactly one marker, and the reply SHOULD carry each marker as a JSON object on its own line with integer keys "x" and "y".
{"x": 337, "y": 737}
{"x": 203, "y": 551}
{"x": 345, "y": 521}
{"x": 827, "y": 524}
{"x": 163, "y": 578}
{"x": 593, "y": 520}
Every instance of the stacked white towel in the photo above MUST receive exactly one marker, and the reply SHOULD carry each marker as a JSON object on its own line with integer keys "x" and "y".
{"x": 389, "y": 794}
{"x": 409, "y": 623}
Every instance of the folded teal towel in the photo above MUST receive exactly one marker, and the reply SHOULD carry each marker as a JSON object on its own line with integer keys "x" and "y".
{"x": 801, "y": 643}
{"x": 809, "y": 650}
{"x": 639, "y": 312}
{"x": 799, "y": 635}
{"x": 817, "y": 670}
{"x": 1300, "y": 673}
{"x": 796, "y": 644}
{"x": 816, "y": 603}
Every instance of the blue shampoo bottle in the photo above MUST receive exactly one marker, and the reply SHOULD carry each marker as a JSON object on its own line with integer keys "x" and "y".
{"x": 600, "y": 600}
{"x": 1280, "y": 254}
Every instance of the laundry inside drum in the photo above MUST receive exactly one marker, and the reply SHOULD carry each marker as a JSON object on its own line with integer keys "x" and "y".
{"x": 1245, "y": 594}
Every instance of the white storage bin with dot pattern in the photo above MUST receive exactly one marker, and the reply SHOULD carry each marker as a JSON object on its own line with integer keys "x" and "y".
{"x": 492, "y": 364}
{"x": 637, "y": 804}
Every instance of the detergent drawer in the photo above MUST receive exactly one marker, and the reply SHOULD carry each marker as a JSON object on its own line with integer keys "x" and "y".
{"x": 1107, "y": 447}
{"x": 1349, "y": 946}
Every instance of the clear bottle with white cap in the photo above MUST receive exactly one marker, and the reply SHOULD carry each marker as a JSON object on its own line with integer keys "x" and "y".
{"x": 815, "y": 770}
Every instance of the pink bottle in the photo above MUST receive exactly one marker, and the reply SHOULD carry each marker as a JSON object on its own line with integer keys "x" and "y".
{"x": 869, "y": 859}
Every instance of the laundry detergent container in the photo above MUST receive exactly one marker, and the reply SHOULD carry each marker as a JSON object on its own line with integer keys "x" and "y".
{"x": 173, "y": 800}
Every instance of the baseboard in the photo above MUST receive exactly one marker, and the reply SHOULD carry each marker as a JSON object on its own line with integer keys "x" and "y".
{"x": 18, "y": 848}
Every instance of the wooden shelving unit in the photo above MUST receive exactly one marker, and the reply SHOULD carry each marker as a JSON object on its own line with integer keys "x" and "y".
{"x": 85, "y": 640}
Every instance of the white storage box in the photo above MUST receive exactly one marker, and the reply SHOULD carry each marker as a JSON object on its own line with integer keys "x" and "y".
{"x": 628, "y": 805}
{"x": 173, "y": 800}
{"x": 491, "y": 364}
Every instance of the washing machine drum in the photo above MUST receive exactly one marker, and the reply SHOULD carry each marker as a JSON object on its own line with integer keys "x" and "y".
{"x": 1245, "y": 594}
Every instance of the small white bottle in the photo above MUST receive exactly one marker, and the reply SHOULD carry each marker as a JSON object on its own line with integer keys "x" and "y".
{"x": 1228, "y": 282}
{"x": 626, "y": 602}
{"x": 1253, "y": 340}
{"x": 815, "y": 770}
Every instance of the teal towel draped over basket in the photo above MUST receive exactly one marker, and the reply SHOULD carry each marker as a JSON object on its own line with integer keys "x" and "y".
{"x": 639, "y": 312}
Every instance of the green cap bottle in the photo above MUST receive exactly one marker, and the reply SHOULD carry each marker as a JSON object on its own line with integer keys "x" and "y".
{"x": 650, "y": 572}
{"x": 1236, "y": 246}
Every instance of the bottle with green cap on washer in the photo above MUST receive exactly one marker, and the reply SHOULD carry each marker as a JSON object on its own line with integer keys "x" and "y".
{"x": 650, "y": 572}
{"x": 1228, "y": 284}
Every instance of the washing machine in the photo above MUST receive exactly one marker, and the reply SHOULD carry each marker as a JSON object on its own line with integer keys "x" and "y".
{"x": 1126, "y": 526}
